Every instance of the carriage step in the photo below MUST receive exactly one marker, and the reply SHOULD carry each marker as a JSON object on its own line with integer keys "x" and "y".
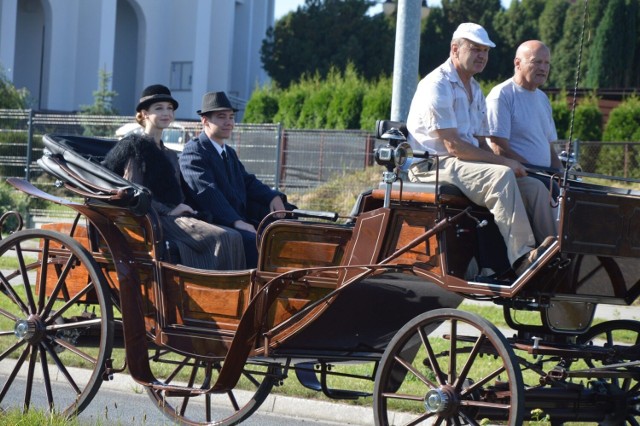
{"x": 306, "y": 375}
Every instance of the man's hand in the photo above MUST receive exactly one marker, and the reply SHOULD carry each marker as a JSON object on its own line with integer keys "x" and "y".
{"x": 516, "y": 166}
{"x": 182, "y": 210}
{"x": 275, "y": 205}
{"x": 244, "y": 226}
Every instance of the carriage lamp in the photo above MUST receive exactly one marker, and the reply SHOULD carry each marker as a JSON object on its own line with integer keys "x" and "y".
{"x": 396, "y": 152}
{"x": 393, "y": 157}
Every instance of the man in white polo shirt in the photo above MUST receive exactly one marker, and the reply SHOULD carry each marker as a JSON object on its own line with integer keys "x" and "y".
{"x": 448, "y": 118}
{"x": 519, "y": 113}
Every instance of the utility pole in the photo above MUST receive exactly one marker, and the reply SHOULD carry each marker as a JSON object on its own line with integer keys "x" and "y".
{"x": 407, "y": 53}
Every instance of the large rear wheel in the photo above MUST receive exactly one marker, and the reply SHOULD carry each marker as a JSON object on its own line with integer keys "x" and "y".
{"x": 56, "y": 323}
{"x": 448, "y": 367}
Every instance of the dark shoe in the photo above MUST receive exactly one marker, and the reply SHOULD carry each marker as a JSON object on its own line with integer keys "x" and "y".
{"x": 529, "y": 259}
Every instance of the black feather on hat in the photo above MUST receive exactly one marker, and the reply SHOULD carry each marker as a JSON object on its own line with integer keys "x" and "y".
{"x": 155, "y": 93}
{"x": 215, "y": 101}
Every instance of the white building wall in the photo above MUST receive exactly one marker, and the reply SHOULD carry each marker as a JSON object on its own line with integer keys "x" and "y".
{"x": 222, "y": 39}
{"x": 8, "y": 21}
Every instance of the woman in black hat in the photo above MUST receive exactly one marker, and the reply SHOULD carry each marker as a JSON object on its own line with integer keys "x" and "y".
{"x": 143, "y": 159}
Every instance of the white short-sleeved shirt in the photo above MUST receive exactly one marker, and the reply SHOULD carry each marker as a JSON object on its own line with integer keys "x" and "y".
{"x": 441, "y": 102}
{"x": 523, "y": 117}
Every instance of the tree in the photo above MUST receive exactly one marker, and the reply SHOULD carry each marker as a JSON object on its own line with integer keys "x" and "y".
{"x": 328, "y": 33}
{"x": 567, "y": 51}
{"x": 610, "y": 55}
{"x": 102, "y": 98}
{"x": 550, "y": 23}
{"x": 102, "y": 105}
{"x": 10, "y": 96}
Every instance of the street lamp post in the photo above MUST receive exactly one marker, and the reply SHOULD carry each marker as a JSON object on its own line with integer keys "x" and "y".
{"x": 407, "y": 52}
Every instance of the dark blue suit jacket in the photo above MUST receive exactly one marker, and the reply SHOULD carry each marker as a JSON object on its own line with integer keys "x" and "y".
{"x": 240, "y": 196}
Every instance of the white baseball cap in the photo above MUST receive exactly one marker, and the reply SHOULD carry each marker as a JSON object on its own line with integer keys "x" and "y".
{"x": 473, "y": 32}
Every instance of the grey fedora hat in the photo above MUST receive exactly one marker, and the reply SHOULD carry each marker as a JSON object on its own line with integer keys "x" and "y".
{"x": 215, "y": 101}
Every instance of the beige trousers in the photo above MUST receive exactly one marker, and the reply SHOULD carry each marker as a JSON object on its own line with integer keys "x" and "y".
{"x": 520, "y": 207}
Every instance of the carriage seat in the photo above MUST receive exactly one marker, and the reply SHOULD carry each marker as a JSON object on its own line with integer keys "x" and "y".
{"x": 419, "y": 192}
{"x": 76, "y": 161}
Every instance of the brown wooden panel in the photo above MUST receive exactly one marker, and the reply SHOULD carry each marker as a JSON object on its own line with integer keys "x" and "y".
{"x": 321, "y": 253}
{"x": 291, "y": 245}
{"x": 212, "y": 300}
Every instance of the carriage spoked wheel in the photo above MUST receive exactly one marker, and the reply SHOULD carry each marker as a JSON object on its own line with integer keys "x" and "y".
{"x": 56, "y": 323}
{"x": 622, "y": 339}
{"x": 228, "y": 408}
{"x": 448, "y": 367}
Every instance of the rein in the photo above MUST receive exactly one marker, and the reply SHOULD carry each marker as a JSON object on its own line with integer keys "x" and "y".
{"x": 569, "y": 145}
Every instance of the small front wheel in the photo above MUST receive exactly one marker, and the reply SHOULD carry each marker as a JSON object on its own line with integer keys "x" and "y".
{"x": 448, "y": 367}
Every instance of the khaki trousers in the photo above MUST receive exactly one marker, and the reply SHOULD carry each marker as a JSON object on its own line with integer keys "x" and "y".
{"x": 520, "y": 207}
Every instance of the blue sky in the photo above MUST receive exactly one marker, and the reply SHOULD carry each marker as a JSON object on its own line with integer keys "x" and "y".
{"x": 282, "y": 7}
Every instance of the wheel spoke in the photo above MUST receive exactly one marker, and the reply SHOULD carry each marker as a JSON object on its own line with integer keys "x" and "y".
{"x": 392, "y": 395}
{"x": 11, "y": 349}
{"x": 61, "y": 282}
{"x": 433, "y": 360}
{"x": 69, "y": 304}
{"x": 419, "y": 419}
{"x": 11, "y": 293}
{"x": 478, "y": 384}
{"x": 63, "y": 369}
{"x": 43, "y": 276}
{"x": 29, "y": 385}
{"x": 73, "y": 325}
{"x": 9, "y": 315}
{"x": 470, "y": 360}
{"x": 45, "y": 377}
{"x": 415, "y": 372}
{"x": 453, "y": 351}
{"x": 25, "y": 280}
{"x": 75, "y": 350}
{"x": 13, "y": 373}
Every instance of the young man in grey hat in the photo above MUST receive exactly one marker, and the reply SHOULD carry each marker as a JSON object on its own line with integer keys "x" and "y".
{"x": 218, "y": 182}
{"x": 448, "y": 118}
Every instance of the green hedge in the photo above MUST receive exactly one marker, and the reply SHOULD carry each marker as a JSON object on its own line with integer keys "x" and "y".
{"x": 623, "y": 125}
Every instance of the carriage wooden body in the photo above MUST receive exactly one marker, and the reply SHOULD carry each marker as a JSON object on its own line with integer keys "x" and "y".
{"x": 375, "y": 289}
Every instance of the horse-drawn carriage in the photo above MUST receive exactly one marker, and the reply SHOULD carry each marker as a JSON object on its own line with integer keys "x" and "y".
{"x": 380, "y": 287}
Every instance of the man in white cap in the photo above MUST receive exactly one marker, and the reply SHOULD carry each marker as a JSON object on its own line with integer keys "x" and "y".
{"x": 448, "y": 118}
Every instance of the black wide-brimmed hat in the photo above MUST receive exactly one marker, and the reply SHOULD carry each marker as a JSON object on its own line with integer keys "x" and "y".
{"x": 215, "y": 101}
{"x": 155, "y": 93}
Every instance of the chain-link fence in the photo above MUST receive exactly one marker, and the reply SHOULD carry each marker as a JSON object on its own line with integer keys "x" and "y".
{"x": 294, "y": 161}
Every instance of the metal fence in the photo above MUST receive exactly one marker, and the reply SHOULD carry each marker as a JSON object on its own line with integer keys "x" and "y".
{"x": 294, "y": 161}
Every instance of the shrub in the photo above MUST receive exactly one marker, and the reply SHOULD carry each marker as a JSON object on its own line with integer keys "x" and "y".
{"x": 588, "y": 127}
{"x": 561, "y": 115}
{"x": 623, "y": 125}
{"x": 262, "y": 106}
{"x": 346, "y": 103}
{"x": 314, "y": 110}
{"x": 289, "y": 105}
{"x": 376, "y": 104}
